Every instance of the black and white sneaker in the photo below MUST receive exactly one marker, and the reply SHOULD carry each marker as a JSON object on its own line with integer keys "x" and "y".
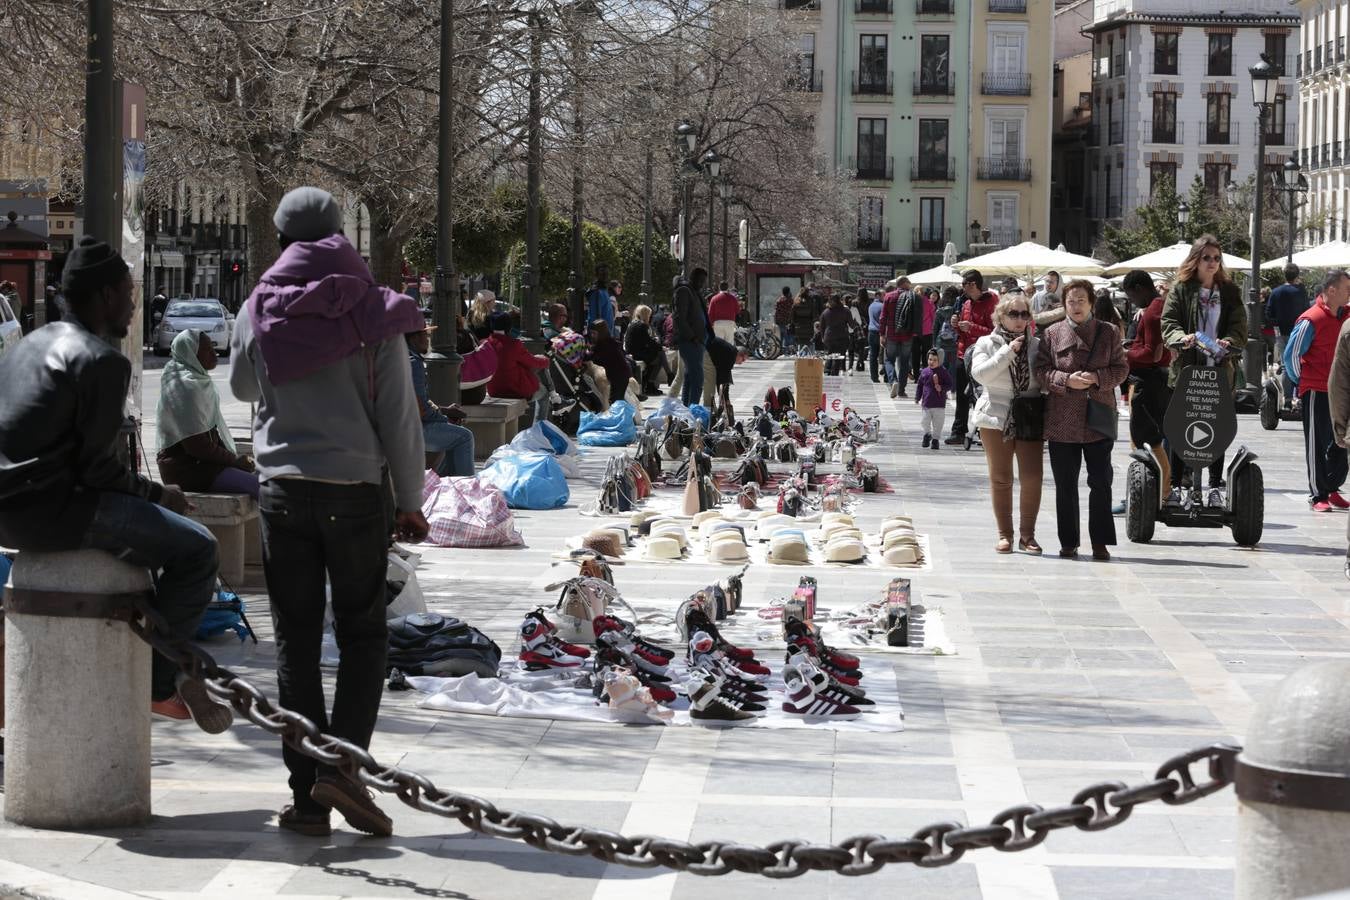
{"x": 708, "y": 703}
{"x": 826, "y": 682}
{"x": 802, "y": 699}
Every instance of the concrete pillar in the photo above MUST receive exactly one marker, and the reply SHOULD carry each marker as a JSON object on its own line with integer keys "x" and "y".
{"x": 1294, "y": 823}
{"x": 77, "y": 700}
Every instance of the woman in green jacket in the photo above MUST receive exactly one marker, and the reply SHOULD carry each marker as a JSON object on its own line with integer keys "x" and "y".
{"x": 1203, "y": 301}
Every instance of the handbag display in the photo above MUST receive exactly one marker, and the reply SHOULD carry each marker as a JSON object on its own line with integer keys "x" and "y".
{"x": 1029, "y": 418}
{"x": 582, "y": 601}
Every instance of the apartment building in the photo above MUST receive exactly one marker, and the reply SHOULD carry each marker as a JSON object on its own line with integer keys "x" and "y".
{"x": 1324, "y": 114}
{"x": 896, "y": 84}
{"x": 1171, "y": 97}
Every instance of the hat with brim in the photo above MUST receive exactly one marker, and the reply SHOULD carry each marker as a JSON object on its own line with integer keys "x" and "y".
{"x": 672, "y": 531}
{"x": 729, "y": 551}
{"x": 891, "y": 521}
{"x": 845, "y": 550}
{"x": 897, "y": 538}
{"x": 619, "y": 531}
{"x": 721, "y": 537}
{"x": 663, "y": 548}
{"x": 768, "y": 524}
{"x": 645, "y": 528}
{"x": 789, "y": 549}
{"x": 832, "y": 517}
{"x": 604, "y": 542}
{"x": 707, "y": 515}
{"x": 902, "y": 555}
{"x": 642, "y": 515}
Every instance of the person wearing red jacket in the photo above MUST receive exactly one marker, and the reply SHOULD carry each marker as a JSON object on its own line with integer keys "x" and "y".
{"x": 1149, "y": 361}
{"x": 975, "y": 320}
{"x": 516, "y": 367}
{"x": 722, "y": 310}
{"x": 1308, "y": 358}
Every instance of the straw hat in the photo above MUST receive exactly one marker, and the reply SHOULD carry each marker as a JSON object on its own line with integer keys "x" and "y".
{"x": 845, "y": 550}
{"x": 902, "y": 555}
{"x": 789, "y": 547}
{"x": 729, "y": 550}
{"x": 642, "y": 515}
{"x": 706, "y": 516}
{"x": 671, "y": 530}
{"x": 830, "y": 517}
{"x": 770, "y": 523}
{"x": 663, "y": 548}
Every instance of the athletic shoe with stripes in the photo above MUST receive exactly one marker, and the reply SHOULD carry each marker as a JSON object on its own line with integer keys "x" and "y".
{"x": 799, "y": 630}
{"x": 637, "y": 658}
{"x": 653, "y": 652}
{"x": 539, "y": 650}
{"x": 552, "y": 630}
{"x": 824, "y": 681}
{"x": 802, "y": 699}
{"x": 707, "y": 702}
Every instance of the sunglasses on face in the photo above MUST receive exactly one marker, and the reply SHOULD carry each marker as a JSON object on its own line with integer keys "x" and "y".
{"x": 1212, "y": 259}
{"x": 1018, "y": 314}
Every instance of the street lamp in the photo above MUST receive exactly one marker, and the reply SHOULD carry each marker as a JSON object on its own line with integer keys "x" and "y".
{"x": 1265, "y": 86}
{"x": 975, "y": 231}
{"x": 1293, "y": 184}
{"x": 1183, "y": 216}
{"x": 686, "y": 141}
{"x": 724, "y": 188}
{"x": 712, "y": 164}
{"x": 444, "y": 361}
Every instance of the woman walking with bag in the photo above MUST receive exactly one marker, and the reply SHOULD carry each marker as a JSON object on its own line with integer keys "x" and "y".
{"x": 1081, "y": 362}
{"x": 1011, "y": 417}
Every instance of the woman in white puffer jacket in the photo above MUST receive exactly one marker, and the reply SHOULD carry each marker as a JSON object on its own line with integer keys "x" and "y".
{"x": 1004, "y": 364}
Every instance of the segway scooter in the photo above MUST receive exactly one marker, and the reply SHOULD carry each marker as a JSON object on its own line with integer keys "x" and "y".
{"x": 1274, "y": 406}
{"x": 1201, "y": 423}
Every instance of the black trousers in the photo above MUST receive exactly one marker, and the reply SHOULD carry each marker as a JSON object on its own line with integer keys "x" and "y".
{"x": 1179, "y": 470}
{"x": 1065, "y": 462}
{"x": 1326, "y": 460}
{"x": 874, "y": 354}
{"x": 964, "y": 388}
{"x": 1149, "y": 407}
{"x": 311, "y": 529}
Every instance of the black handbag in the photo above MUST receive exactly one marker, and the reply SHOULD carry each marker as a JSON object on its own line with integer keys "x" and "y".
{"x": 1101, "y": 417}
{"x": 1028, "y": 415}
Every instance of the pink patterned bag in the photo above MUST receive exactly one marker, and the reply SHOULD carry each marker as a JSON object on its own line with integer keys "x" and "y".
{"x": 465, "y": 512}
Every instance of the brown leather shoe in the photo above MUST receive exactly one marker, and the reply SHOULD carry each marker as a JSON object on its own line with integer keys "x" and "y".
{"x": 306, "y": 823}
{"x": 1100, "y": 553}
{"x": 355, "y": 804}
{"x": 1068, "y": 552}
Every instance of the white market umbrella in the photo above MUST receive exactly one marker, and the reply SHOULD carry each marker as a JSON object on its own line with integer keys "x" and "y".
{"x": 1167, "y": 260}
{"x": 1030, "y": 260}
{"x": 1331, "y": 255}
{"x": 938, "y": 276}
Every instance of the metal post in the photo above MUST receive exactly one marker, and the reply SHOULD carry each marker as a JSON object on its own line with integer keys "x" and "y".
{"x": 644, "y": 294}
{"x": 443, "y": 363}
{"x": 687, "y": 201}
{"x": 1254, "y": 355}
{"x": 1292, "y": 194}
{"x": 712, "y": 231}
{"x": 726, "y": 273}
{"x": 529, "y": 315}
{"x": 102, "y": 144}
{"x": 578, "y": 298}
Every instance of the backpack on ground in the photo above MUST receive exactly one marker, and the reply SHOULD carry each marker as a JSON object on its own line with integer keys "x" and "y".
{"x": 224, "y": 613}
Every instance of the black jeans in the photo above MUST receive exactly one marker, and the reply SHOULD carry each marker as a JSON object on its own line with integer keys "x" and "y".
{"x": 1149, "y": 407}
{"x": 180, "y": 552}
{"x": 1065, "y": 462}
{"x": 964, "y": 388}
{"x": 874, "y": 353}
{"x": 312, "y": 529}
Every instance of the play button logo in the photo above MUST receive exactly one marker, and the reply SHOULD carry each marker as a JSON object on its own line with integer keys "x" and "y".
{"x": 1199, "y": 435}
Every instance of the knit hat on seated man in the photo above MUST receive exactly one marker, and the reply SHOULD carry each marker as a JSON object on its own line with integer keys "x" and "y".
{"x": 308, "y": 214}
{"x": 91, "y": 265}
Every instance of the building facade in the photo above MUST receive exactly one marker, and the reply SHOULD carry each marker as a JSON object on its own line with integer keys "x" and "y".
{"x": 1324, "y": 116}
{"x": 898, "y": 85}
{"x": 1171, "y": 97}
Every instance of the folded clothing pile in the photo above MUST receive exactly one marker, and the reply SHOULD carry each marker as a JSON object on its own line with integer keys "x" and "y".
{"x": 434, "y": 644}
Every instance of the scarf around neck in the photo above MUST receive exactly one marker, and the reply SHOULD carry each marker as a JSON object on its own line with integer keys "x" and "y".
{"x": 1020, "y": 373}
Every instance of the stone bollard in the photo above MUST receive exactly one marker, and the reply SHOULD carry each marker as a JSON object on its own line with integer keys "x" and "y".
{"x": 77, "y": 693}
{"x": 1293, "y": 787}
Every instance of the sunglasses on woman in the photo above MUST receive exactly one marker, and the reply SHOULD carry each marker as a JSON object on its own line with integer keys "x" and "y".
{"x": 1212, "y": 259}
{"x": 1018, "y": 314}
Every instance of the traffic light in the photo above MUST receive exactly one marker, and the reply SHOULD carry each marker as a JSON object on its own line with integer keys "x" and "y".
{"x": 236, "y": 269}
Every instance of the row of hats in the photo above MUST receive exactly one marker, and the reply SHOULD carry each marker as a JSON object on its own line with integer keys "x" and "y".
{"x": 843, "y": 543}
{"x": 899, "y": 542}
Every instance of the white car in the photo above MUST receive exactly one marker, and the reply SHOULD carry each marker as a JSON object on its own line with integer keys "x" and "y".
{"x": 202, "y": 314}
{"x": 10, "y": 329}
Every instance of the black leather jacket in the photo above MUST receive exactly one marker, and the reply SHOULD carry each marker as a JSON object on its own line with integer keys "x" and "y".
{"x": 62, "y": 396}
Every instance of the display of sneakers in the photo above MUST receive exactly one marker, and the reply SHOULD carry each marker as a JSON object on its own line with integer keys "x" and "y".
{"x": 797, "y": 630}
{"x": 697, "y": 619}
{"x": 703, "y": 653}
{"x": 618, "y": 641}
{"x": 539, "y": 650}
{"x": 803, "y": 698}
{"x": 608, "y": 657}
{"x": 552, "y": 630}
{"x": 824, "y": 681}
{"x": 654, "y": 653}
{"x": 708, "y": 703}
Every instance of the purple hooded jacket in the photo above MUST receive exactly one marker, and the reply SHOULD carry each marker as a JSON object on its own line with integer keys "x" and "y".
{"x": 319, "y": 304}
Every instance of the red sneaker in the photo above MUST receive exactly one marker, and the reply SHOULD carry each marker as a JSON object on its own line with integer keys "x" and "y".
{"x": 1321, "y": 506}
{"x": 1336, "y": 500}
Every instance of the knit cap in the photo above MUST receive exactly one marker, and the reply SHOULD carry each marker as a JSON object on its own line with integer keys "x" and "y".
{"x": 92, "y": 262}
{"x": 308, "y": 214}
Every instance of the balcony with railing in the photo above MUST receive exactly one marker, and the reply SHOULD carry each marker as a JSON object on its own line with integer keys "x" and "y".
{"x": 1281, "y": 136}
{"x": 1168, "y": 133}
{"x": 1008, "y": 7}
{"x": 1314, "y": 160}
{"x": 873, "y": 168}
{"x": 801, "y": 5}
{"x": 1326, "y": 154}
{"x": 935, "y": 7}
{"x": 1336, "y": 153}
{"x": 1290, "y": 63}
{"x": 873, "y": 239}
{"x": 1002, "y": 236}
{"x": 873, "y": 84}
{"x": 1340, "y": 49}
{"x": 1317, "y": 58}
{"x": 1009, "y": 85}
{"x": 873, "y": 7}
{"x": 927, "y": 84}
{"x": 932, "y": 239}
{"x": 1117, "y": 132}
{"x": 1329, "y": 57}
{"x": 1216, "y": 135}
{"x": 807, "y": 81}
{"x": 1003, "y": 168}
{"x": 932, "y": 168}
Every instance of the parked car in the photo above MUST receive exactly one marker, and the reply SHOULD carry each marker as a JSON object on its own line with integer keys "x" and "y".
{"x": 203, "y": 314}
{"x": 10, "y": 328}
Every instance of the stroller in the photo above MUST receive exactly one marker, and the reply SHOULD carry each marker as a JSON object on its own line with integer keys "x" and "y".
{"x": 570, "y": 389}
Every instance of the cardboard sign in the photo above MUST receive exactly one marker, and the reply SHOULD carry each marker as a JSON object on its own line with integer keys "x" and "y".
{"x": 1201, "y": 420}
{"x": 832, "y": 395}
{"x": 808, "y": 386}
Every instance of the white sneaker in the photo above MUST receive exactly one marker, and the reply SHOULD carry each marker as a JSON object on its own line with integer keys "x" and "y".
{"x": 895, "y": 389}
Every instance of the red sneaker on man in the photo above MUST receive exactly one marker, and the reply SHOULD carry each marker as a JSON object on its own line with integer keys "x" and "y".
{"x": 1336, "y": 500}
{"x": 1321, "y": 506}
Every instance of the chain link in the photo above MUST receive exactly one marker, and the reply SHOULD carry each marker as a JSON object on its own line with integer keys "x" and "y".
{"x": 1096, "y": 807}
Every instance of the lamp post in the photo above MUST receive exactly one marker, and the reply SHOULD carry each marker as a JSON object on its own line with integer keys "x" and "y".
{"x": 686, "y": 139}
{"x": 712, "y": 164}
{"x": 724, "y": 188}
{"x": 529, "y": 276}
{"x": 1183, "y": 216}
{"x": 974, "y": 232}
{"x": 444, "y": 362}
{"x": 1293, "y": 184}
{"x": 645, "y": 292}
{"x": 1265, "y": 85}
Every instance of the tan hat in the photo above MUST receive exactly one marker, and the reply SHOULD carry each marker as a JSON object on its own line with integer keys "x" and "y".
{"x": 706, "y": 516}
{"x": 831, "y": 517}
{"x": 789, "y": 548}
{"x": 663, "y": 548}
{"x": 604, "y": 542}
{"x": 718, "y": 537}
{"x": 729, "y": 551}
{"x": 846, "y": 550}
{"x": 891, "y": 521}
{"x": 642, "y": 515}
{"x": 671, "y": 530}
{"x": 902, "y": 555}
{"x": 769, "y": 523}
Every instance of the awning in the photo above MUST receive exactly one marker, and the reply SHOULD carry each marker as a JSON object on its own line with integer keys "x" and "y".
{"x": 168, "y": 259}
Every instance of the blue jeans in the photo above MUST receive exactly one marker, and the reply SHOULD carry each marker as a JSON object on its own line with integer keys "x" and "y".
{"x": 181, "y": 553}
{"x": 897, "y": 362}
{"x": 786, "y": 337}
{"x": 314, "y": 530}
{"x": 455, "y": 441}
{"x": 691, "y": 355}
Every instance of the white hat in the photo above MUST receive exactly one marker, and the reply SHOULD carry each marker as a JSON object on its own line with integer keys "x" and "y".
{"x": 891, "y": 521}
{"x": 707, "y": 515}
{"x": 718, "y": 537}
{"x": 728, "y": 551}
{"x": 830, "y": 529}
{"x": 771, "y": 522}
{"x": 642, "y": 515}
{"x": 899, "y": 539}
{"x": 902, "y": 555}
{"x": 831, "y": 517}
{"x": 789, "y": 547}
{"x": 619, "y": 531}
{"x": 673, "y": 531}
{"x": 847, "y": 550}
{"x": 663, "y": 548}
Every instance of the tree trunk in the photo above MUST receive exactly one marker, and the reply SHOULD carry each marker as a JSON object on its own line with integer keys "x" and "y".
{"x": 263, "y": 248}
{"x": 386, "y": 247}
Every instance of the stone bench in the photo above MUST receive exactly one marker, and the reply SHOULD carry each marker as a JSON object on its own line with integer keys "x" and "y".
{"x": 493, "y": 423}
{"x": 233, "y": 519}
{"x": 77, "y": 700}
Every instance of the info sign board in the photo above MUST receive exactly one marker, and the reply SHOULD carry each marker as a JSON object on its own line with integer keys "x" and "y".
{"x": 1201, "y": 420}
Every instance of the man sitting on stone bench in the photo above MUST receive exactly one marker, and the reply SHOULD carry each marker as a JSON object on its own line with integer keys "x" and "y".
{"x": 62, "y": 486}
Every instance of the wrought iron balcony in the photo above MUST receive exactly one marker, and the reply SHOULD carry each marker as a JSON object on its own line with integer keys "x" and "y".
{"x": 807, "y": 81}
{"x": 929, "y": 85}
{"x": 932, "y": 168}
{"x": 1217, "y": 135}
{"x": 1117, "y": 132}
{"x": 1003, "y": 168}
{"x": 1170, "y": 133}
{"x": 1281, "y": 137}
{"x": 873, "y": 168}
{"x": 874, "y": 84}
{"x": 873, "y": 239}
{"x": 1014, "y": 7}
{"x": 1005, "y": 237}
{"x": 934, "y": 7}
{"x": 932, "y": 239}
{"x": 1015, "y": 85}
{"x": 874, "y": 7}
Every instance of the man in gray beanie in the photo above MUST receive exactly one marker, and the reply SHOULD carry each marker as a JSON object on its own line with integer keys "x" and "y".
{"x": 62, "y": 486}
{"x": 319, "y": 348}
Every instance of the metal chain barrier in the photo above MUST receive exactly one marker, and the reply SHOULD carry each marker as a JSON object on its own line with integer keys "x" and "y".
{"x": 1096, "y": 807}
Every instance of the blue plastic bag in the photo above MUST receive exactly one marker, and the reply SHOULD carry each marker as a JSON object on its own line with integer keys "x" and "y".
{"x": 701, "y": 413}
{"x": 5, "y": 565}
{"x": 529, "y": 480}
{"x": 614, "y": 427}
